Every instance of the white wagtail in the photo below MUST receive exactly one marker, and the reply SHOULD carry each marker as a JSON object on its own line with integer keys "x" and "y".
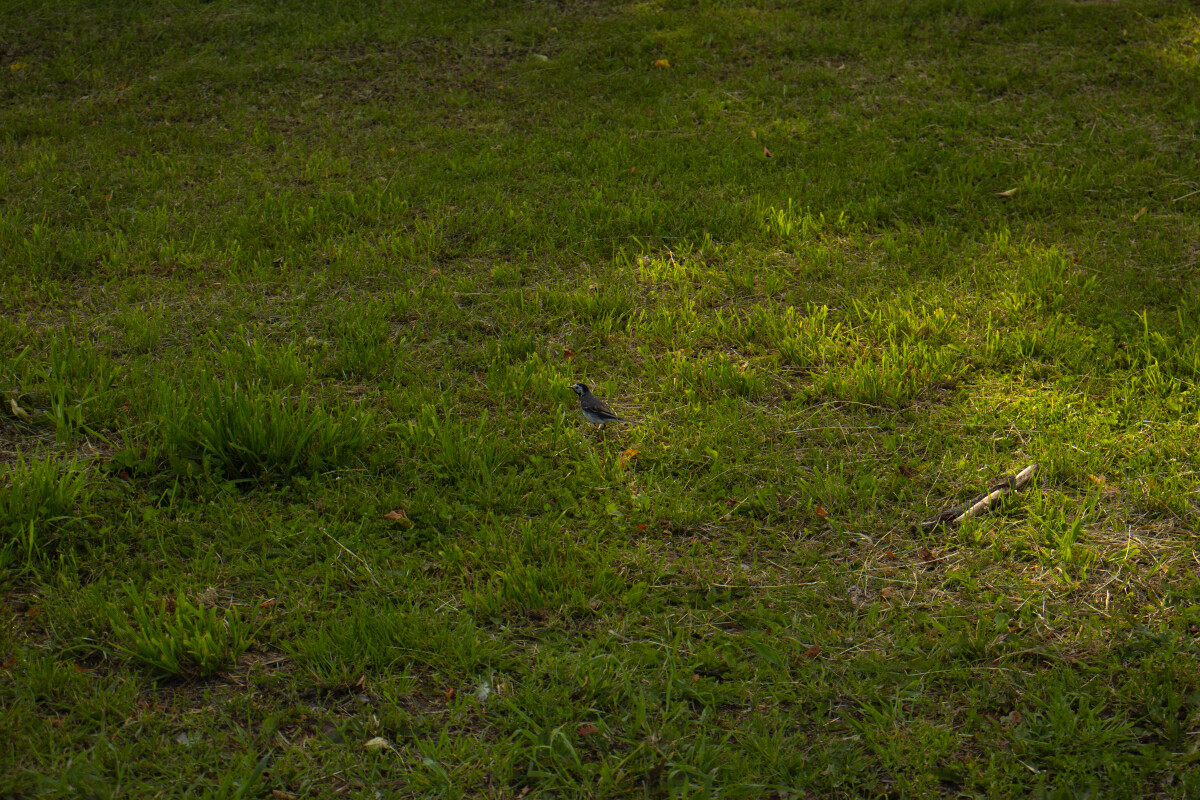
{"x": 594, "y": 411}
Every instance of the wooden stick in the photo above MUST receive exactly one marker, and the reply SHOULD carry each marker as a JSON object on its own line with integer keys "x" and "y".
{"x": 1011, "y": 485}
{"x": 956, "y": 515}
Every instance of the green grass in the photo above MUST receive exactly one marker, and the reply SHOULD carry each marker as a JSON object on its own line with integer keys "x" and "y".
{"x": 294, "y": 501}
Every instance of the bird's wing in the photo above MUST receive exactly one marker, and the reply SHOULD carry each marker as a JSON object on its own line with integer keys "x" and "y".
{"x": 595, "y": 406}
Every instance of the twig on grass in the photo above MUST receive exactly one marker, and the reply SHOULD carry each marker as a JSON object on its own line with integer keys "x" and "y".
{"x": 960, "y": 513}
{"x": 361, "y": 560}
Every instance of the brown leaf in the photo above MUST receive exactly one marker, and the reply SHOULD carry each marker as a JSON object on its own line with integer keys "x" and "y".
{"x": 649, "y": 112}
{"x": 888, "y": 593}
{"x": 586, "y": 729}
{"x": 628, "y": 455}
{"x": 821, "y": 512}
{"x": 642, "y": 526}
{"x": 813, "y": 651}
{"x": 398, "y": 515}
{"x": 662, "y": 63}
{"x": 766, "y": 152}
{"x": 1138, "y": 215}
{"x": 568, "y": 353}
{"x": 907, "y": 471}
{"x": 270, "y": 603}
{"x": 9, "y": 663}
{"x": 927, "y": 556}
{"x": 1007, "y": 192}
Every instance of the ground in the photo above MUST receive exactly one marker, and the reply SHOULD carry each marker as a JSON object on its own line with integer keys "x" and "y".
{"x": 295, "y": 500}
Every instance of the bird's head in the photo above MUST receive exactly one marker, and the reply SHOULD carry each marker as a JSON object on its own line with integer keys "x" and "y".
{"x": 579, "y": 389}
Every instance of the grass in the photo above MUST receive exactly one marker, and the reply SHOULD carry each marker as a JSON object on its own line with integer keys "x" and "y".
{"x": 294, "y": 500}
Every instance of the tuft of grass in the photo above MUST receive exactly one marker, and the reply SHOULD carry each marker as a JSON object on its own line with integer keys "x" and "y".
{"x": 248, "y": 432}
{"x": 37, "y": 497}
{"x": 176, "y": 636}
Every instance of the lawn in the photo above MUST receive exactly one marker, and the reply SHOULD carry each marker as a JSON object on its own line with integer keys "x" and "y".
{"x": 295, "y": 499}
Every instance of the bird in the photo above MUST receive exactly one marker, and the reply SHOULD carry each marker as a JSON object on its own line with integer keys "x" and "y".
{"x": 594, "y": 411}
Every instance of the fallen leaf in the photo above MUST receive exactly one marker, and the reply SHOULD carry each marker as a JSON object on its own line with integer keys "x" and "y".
{"x": 888, "y": 593}
{"x": 821, "y": 512}
{"x": 633, "y": 170}
{"x": 907, "y": 471}
{"x": 766, "y": 152}
{"x": 278, "y": 795}
{"x": 1097, "y": 479}
{"x": 813, "y": 651}
{"x": 398, "y": 515}
{"x": 1007, "y": 192}
{"x": 378, "y": 743}
{"x": 695, "y": 678}
{"x": 927, "y": 556}
{"x": 642, "y": 526}
{"x": 450, "y": 693}
{"x": 662, "y": 63}
{"x": 891, "y": 554}
{"x": 627, "y": 455}
{"x": 1138, "y": 215}
{"x": 17, "y": 65}
{"x": 19, "y": 412}
{"x": 586, "y": 729}
{"x": 9, "y": 663}
{"x": 1014, "y": 718}
{"x": 568, "y": 353}
{"x": 267, "y": 603}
